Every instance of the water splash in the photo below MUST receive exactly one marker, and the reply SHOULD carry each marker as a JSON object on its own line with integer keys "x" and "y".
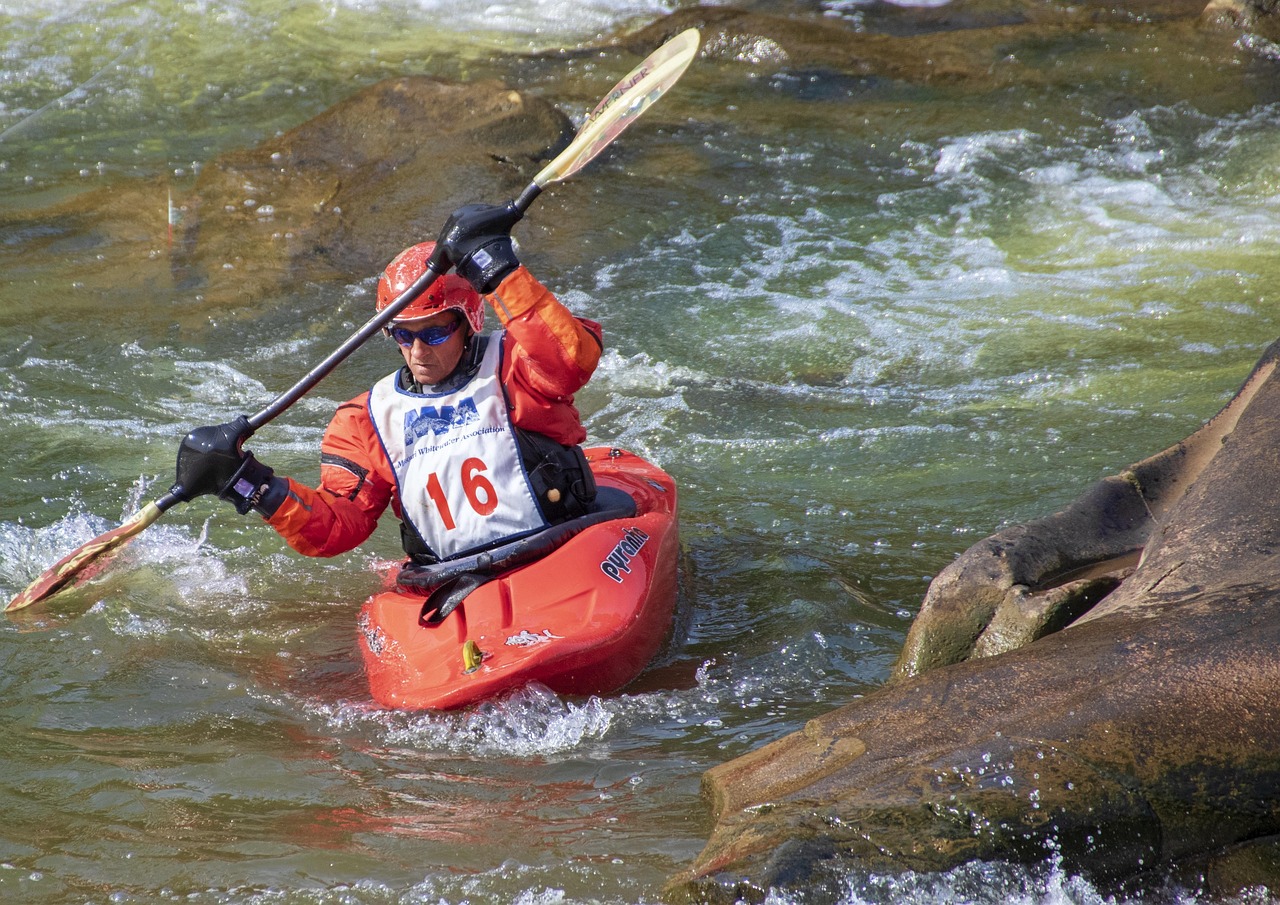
{"x": 531, "y": 721}
{"x": 534, "y": 722}
{"x": 187, "y": 564}
{"x": 1047, "y": 883}
{"x": 534, "y": 19}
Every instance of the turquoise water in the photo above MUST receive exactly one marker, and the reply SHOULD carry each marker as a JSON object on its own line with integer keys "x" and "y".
{"x": 863, "y": 323}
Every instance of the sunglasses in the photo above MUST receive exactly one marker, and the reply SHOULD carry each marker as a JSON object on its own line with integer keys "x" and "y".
{"x": 432, "y": 336}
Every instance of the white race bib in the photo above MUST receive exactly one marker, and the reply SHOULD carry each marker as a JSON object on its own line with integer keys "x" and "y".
{"x": 456, "y": 461}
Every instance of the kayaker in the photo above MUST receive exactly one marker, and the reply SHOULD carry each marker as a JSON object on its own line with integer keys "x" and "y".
{"x": 473, "y": 442}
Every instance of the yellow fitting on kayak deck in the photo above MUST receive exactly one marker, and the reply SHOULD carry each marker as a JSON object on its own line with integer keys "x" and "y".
{"x": 472, "y": 657}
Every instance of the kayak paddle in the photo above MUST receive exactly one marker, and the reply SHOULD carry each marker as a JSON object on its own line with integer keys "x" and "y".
{"x": 619, "y": 109}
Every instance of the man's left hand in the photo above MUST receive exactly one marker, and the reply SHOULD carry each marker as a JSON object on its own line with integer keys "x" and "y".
{"x": 477, "y": 240}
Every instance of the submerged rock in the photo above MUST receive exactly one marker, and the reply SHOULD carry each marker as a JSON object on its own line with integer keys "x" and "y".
{"x": 342, "y": 193}
{"x": 339, "y": 195}
{"x": 336, "y": 197}
{"x": 980, "y": 45}
{"x": 1242, "y": 14}
{"x": 1123, "y": 720}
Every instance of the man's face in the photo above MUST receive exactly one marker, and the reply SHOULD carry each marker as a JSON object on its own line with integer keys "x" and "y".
{"x": 432, "y": 364}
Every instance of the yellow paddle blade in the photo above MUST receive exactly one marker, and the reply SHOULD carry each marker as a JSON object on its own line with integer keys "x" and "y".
{"x": 74, "y": 565}
{"x": 621, "y": 107}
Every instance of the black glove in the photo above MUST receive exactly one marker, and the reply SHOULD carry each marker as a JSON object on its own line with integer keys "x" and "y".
{"x": 477, "y": 241}
{"x": 210, "y": 460}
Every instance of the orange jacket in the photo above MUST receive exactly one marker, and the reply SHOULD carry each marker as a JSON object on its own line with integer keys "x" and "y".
{"x": 548, "y": 356}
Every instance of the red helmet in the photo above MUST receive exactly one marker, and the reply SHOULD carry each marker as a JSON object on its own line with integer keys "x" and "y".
{"x": 450, "y": 292}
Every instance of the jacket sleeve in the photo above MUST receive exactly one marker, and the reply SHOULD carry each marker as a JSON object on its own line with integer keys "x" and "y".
{"x": 355, "y": 487}
{"x": 549, "y": 356}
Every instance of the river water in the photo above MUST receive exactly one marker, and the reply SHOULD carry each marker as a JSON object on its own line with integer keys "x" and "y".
{"x": 864, "y": 324}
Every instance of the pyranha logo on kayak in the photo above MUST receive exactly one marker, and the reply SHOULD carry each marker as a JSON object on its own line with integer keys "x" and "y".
{"x": 617, "y": 565}
{"x": 430, "y": 420}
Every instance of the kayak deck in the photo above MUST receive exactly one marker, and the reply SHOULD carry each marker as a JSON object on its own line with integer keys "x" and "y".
{"x": 585, "y": 619}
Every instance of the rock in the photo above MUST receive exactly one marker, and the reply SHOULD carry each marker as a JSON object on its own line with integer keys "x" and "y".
{"x": 1121, "y": 745}
{"x": 1029, "y": 580}
{"x": 334, "y": 198}
{"x": 984, "y": 45}
{"x": 1141, "y": 737}
{"x": 1242, "y": 14}
{"x": 341, "y": 194}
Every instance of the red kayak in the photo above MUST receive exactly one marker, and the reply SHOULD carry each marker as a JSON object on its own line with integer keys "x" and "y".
{"x": 581, "y": 608}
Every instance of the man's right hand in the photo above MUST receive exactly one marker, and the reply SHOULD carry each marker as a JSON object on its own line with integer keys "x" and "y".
{"x": 212, "y": 460}
{"x": 209, "y": 458}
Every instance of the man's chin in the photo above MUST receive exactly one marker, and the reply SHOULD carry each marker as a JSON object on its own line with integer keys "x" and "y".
{"x": 426, "y": 378}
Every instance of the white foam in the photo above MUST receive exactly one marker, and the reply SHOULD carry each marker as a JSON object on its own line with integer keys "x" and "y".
{"x": 534, "y": 18}
{"x": 189, "y": 565}
{"x": 640, "y": 373}
{"x": 961, "y": 155}
{"x": 186, "y": 564}
{"x": 1033, "y": 238}
{"x": 546, "y": 18}
{"x": 979, "y": 883}
{"x": 530, "y": 721}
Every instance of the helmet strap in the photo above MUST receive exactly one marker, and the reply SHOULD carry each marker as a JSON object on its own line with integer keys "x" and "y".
{"x": 473, "y": 353}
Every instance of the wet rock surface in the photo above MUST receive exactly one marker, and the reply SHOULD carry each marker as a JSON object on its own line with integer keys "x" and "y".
{"x": 1141, "y": 735}
{"x": 334, "y": 198}
{"x": 337, "y": 196}
{"x": 345, "y": 191}
{"x": 975, "y": 46}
